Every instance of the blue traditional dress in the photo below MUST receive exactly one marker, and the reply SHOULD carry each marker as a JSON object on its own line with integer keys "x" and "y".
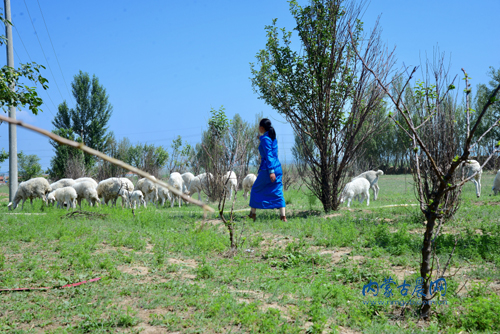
{"x": 266, "y": 194}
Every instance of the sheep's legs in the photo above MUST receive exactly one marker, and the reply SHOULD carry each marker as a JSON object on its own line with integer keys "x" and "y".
{"x": 375, "y": 191}
{"x": 478, "y": 187}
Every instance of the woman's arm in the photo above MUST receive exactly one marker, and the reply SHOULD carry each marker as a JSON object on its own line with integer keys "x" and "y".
{"x": 269, "y": 161}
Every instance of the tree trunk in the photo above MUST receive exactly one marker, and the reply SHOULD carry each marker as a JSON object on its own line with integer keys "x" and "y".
{"x": 325, "y": 186}
{"x": 425, "y": 268}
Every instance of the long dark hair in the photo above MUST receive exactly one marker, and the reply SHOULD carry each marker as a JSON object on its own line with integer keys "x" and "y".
{"x": 266, "y": 124}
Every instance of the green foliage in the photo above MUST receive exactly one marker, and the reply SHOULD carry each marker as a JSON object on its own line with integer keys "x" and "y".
{"x": 63, "y": 153}
{"x": 179, "y": 157}
{"x": 23, "y": 95}
{"x": 218, "y": 123}
{"x": 29, "y": 166}
{"x": 87, "y": 122}
{"x": 3, "y": 156}
{"x": 148, "y": 157}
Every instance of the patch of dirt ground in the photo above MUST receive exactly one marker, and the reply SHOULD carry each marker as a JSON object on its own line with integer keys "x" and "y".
{"x": 133, "y": 270}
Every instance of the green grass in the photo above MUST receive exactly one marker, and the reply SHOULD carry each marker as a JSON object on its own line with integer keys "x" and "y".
{"x": 166, "y": 270}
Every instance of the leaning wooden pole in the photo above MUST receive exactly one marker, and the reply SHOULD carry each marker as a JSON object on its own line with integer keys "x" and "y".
{"x": 103, "y": 156}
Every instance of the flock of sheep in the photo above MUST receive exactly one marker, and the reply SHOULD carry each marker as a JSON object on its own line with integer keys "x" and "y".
{"x": 68, "y": 192}
{"x": 360, "y": 185}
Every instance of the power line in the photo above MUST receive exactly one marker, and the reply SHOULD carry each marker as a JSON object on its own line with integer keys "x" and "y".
{"x": 19, "y": 58}
{"x": 50, "y": 39}
{"x": 36, "y": 34}
{"x": 29, "y": 57}
{"x": 19, "y": 35}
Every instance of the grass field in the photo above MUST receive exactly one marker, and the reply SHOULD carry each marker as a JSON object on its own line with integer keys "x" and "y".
{"x": 165, "y": 271}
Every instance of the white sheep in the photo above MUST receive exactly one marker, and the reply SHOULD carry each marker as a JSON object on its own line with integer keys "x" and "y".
{"x": 358, "y": 186}
{"x": 496, "y": 183}
{"x": 198, "y": 185}
{"x": 372, "y": 177}
{"x": 86, "y": 189}
{"x": 38, "y": 187}
{"x": 164, "y": 195}
{"x": 128, "y": 185}
{"x": 187, "y": 177}
{"x": 135, "y": 197}
{"x": 110, "y": 189}
{"x": 66, "y": 195}
{"x": 175, "y": 181}
{"x": 87, "y": 179}
{"x": 232, "y": 184}
{"x": 247, "y": 184}
{"x": 470, "y": 167}
{"x": 149, "y": 190}
{"x": 62, "y": 183}
{"x": 51, "y": 199}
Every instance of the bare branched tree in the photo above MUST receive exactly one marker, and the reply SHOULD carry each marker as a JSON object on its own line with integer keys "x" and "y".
{"x": 291, "y": 176}
{"x": 75, "y": 167}
{"x": 323, "y": 91}
{"x": 437, "y": 152}
{"x": 222, "y": 159}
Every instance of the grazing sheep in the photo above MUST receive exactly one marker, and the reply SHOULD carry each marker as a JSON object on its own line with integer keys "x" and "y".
{"x": 86, "y": 189}
{"x": 248, "y": 182}
{"x": 128, "y": 185}
{"x": 187, "y": 177}
{"x": 358, "y": 186}
{"x": 51, "y": 199}
{"x": 135, "y": 197}
{"x": 163, "y": 195}
{"x": 496, "y": 183}
{"x": 232, "y": 184}
{"x": 62, "y": 183}
{"x": 372, "y": 177}
{"x": 149, "y": 190}
{"x": 87, "y": 179}
{"x": 198, "y": 185}
{"x": 66, "y": 195}
{"x": 33, "y": 188}
{"x": 175, "y": 181}
{"x": 110, "y": 189}
{"x": 470, "y": 167}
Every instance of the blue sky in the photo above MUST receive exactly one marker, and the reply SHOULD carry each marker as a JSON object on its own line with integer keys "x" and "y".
{"x": 164, "y": 64}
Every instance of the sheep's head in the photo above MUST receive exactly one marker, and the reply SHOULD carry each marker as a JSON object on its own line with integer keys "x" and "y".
{"x": 342, "y": 198}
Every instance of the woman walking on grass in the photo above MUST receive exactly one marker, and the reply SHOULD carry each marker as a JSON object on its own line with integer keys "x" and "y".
{"x": 267, "y": 191}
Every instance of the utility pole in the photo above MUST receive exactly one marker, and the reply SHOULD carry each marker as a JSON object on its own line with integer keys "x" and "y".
{"x": 12, "y": 109}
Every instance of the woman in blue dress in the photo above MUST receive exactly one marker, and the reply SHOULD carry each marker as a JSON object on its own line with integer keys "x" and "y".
{"x": 267, "y": 191}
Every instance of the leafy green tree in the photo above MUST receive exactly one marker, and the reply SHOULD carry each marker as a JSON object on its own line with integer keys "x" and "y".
{"x": 87, "y": 122}
{"x": 3, "y": 156}
{"x": 29, "y": 166}
{"x": 63, "y": 154}
{"x": 148, "y": 158}
{"x": 178, "y": 159}
{"x": 91, "y": 114}
{"x": 323, "y": 90}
